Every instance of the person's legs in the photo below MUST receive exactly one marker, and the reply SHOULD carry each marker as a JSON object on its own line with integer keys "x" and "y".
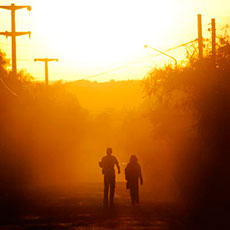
{"x": 112, "y": 189}
{"x": 132, "y": 194}
{"x": 106, "y": 190}
{"x": 136, "y": 195}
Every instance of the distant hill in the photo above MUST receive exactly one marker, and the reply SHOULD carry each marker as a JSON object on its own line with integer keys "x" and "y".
{"x": 107, "y": 95}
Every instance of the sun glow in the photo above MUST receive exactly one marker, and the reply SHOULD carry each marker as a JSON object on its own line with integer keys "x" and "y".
{"x": 98, "y": 33}
{"x": 90, "y": 37}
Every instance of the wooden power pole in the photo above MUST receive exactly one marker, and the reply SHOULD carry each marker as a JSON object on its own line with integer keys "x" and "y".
{"x": 46, "y": 60}
{"x": 13, "y": 34}
{"x": 200, "y": 38}
{"x": 213, "y": 23}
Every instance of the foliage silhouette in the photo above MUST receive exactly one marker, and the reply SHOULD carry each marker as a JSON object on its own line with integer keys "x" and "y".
{"x": 199, "y": 94}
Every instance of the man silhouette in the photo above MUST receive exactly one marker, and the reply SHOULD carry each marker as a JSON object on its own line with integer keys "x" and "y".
{"x": 107, "y": 164}
{"x": 132, "y": 174}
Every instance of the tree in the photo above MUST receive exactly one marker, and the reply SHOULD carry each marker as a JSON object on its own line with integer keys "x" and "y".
{"x": 199, "y": 90}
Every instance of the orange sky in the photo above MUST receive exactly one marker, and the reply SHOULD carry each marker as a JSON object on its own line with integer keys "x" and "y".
{"x": 100, "y": 36}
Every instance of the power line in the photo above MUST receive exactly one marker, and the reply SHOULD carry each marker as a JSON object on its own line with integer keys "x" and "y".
{"x": 124, "y": 66}
{"x": 28, "y": 60}
{"x": 7, "y": 87}
{"x": 181, "y": 45}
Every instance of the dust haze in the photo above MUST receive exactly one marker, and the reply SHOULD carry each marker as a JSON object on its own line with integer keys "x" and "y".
{"x": 56, "y": 138}
{"x": 175, "y": 120}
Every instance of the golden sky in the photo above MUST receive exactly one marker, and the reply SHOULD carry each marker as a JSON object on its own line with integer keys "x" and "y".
{"x": 90, "y": 37}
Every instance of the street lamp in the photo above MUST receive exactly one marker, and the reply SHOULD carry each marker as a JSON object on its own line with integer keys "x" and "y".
{"x": 174, "y": 59}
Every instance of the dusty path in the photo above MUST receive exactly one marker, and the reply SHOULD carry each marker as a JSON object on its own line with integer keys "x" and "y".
{"x": 81, "y": 208}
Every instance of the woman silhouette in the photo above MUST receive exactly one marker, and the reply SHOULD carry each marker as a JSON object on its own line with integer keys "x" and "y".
{"x": 132, "y": 174}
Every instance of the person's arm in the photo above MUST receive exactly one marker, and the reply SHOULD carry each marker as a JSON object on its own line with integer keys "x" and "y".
{"x": 126, "y": 172}
{"x": 117, "y": 164}
{"x": 140, "y": 174}
{"x": 101, "y": 163}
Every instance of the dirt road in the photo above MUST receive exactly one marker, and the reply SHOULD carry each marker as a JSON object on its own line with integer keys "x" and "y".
{"x": 81, "y": 208}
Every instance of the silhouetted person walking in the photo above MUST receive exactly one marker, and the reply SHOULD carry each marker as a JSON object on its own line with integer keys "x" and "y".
{"x": 107, "y": 164}
{"x": 132, "y": 174}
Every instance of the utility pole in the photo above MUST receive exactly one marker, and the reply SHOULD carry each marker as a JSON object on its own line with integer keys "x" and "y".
{"x": 200, "y": 38}
{"x": 46, "y": 60}
{"x": 213, "y": 23}
{"x": 13, "y": 34}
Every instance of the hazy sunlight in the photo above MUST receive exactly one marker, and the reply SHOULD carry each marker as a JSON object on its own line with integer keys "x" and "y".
{"x": 97, "y": 33}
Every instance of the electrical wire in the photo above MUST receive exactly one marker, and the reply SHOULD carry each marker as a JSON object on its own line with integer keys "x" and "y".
{"x": 6, "y": 86}
{"x": 125, "y": 66}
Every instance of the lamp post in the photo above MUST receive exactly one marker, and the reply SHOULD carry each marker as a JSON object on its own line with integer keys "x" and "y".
{"x": 174, "y": 59}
